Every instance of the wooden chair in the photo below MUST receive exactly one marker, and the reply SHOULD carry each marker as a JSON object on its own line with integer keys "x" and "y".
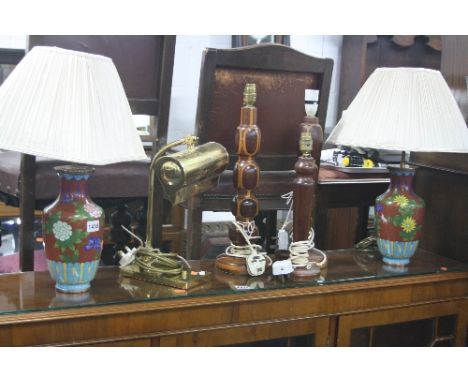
{"x": 145, "y": 65}
{"x": 281, "y": 74}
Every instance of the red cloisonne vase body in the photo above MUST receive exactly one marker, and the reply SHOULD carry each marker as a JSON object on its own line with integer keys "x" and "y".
{"x": 73, "y": 232}
{"x": 399, "y": 215}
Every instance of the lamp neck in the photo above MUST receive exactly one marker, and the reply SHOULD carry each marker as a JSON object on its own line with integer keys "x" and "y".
{"x": 153, "y": 188}
{"x": 401, "y": 178}
{"x": 73, "y": 182}
{"x": 402, "y": 160}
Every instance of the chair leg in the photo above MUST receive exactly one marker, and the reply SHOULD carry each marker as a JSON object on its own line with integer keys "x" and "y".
{"x": 266, "y": 224}
{"x": 320, "y": 227}
{"x": 270, "y": 231}
{"x": 140, "y": 219}
{"x": 158, "y": 218}
{"x": 363, "y": 221}
{"x": 119, "y": 237}
{"x": 27, "y": 206}
{"x": 194, "y": 228}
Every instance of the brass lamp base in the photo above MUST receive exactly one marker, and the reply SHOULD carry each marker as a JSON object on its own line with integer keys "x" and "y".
{"x": 183, "y": 281}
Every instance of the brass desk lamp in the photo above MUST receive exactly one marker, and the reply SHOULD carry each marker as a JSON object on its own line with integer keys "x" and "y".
{"x": 179, "y": 175}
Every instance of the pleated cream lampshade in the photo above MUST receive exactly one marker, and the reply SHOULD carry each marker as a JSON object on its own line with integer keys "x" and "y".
{"x": 69, "y": 106}
{"x": 406, "y": 109}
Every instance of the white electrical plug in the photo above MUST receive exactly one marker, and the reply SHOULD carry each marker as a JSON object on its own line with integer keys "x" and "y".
{"x": 282, "y": 267}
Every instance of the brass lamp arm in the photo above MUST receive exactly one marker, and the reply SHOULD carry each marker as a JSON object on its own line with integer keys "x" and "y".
{"x": 191, "y": 142}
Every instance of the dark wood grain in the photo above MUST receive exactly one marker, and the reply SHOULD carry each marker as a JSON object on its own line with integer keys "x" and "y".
{"x": 353, "y": 53}
{"x": 399, "y": 315}
{"x": 304, "y": 188}
{"x": 442, "y": 181}
{"x": 342, "y": 210}
{"x": 165, "y": 89}
{"x": 305, "y": 183}
{"x": 454, "y": 68}
{"x": 246, "y": 176}
{"x": 442, "y": 178}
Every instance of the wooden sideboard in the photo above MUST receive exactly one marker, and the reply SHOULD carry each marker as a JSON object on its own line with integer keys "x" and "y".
{"x": 348, "y": 304}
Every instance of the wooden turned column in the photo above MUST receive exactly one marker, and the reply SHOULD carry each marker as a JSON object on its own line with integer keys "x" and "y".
{"x": 246, "y": 172}
{"x": 305, "y": 182}
{"x": 245, "y": 178}
{"x": 304, "y": 202}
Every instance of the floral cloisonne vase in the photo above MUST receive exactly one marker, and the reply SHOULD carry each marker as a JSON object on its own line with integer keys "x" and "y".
{"x": 73, "y": 232}
{"x": 399, "y": 215}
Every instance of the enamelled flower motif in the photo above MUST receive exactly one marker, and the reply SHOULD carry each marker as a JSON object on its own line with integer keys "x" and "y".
{"x": 62, "y": 231}
{"x": 408, "y": 224}
{"x": 93, "y": 210}
{"x": 401, "y": 200}
{"x": 93, "y": 243}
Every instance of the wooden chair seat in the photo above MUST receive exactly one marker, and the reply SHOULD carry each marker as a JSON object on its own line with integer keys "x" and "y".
{"x": 272, "y": 185}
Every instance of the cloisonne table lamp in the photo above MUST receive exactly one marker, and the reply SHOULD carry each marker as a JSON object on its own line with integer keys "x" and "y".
{"x": 405, "y": 109}
{"x": 69, "y": 106}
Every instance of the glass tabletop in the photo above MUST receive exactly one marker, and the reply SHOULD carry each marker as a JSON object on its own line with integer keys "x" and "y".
{"x": 34, "y": 291}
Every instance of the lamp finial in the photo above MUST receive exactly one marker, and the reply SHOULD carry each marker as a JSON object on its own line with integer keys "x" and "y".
{"x": 250, "y": 94}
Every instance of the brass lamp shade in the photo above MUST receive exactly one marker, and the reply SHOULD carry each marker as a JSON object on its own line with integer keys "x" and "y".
{"x": 191, "y": 172}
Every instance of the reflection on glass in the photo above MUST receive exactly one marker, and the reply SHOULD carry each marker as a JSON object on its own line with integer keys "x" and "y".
{"x": 71, "y": 300}
{"x": 34, "y": 291}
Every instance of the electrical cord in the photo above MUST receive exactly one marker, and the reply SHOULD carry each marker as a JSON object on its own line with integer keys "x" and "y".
{"x": 248, "y": 251}
{"x": 299, "y": 251}
{"x": 152, "y": 260}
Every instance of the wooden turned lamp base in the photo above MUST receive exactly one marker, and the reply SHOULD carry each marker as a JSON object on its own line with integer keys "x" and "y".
{"x": 238, "y": 264}
{"x": 315, "y": 271}
{"x": 281, "y": 255}
{"x": 229, "y": 264}
{"x": 235, "y": 265}
{"x": 306, "y": 274}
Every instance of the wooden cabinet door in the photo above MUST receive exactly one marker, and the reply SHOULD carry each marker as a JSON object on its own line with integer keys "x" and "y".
{"x": 438, "y": 324}
{"x": 300, "y": 332}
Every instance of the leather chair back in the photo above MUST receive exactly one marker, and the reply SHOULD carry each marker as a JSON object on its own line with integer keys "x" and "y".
{"x": 281, "y": 75}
